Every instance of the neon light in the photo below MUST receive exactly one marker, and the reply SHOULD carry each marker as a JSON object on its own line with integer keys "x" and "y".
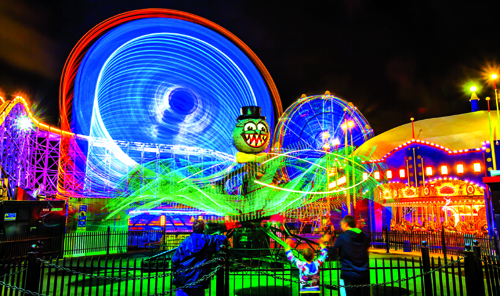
{"x": 377, "y": 175}
{"x": 389, "y": 174}
{"x": 402, "y": 173}
{"x": 365, "y": 176}
{"x": 430, "y": 144}
{"x": 460, "y": 168}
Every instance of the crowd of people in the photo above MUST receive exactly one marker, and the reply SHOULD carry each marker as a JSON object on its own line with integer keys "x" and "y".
{"x": 464, "y": 226}
{"x": 350, "y": 247}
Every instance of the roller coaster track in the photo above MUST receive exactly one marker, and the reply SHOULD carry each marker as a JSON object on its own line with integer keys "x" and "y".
{"x": 8, "y": 105}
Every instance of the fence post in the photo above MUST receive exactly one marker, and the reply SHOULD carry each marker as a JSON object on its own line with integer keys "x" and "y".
{"x": 33, "y": 273}
{"x": 108, "y": 239}
{"x": 474, "y": 284}
{"x": 495, "y": 241}
{"x": 387, "y": 243}
{"x": 443, "y": 244}
{"x": 476, "y": 248}
{"x": 226, "y": 273}
{"x": 426, "y": 266}
{"x": 219, "y": 280}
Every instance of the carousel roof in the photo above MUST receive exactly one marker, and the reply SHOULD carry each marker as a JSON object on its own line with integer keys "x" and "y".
{"x": 456, "y": 132}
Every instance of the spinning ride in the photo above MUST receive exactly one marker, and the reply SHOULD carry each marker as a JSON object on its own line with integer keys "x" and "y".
{"x": 154, "y": 84}
{"x": 331, "y": 124}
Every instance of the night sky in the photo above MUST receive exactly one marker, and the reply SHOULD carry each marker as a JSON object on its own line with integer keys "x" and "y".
{"x": 392, "y": 60}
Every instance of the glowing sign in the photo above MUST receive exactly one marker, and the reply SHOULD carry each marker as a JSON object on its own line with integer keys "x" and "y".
{"x": 10, "y": 217}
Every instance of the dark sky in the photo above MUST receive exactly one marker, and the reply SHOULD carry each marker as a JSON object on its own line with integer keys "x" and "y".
{"x": 392, "y": 60}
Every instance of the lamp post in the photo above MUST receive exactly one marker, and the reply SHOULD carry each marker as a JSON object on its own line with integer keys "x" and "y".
{"x": 344, "y": 126}
{"x": 494, "y": 78}
{"x": 350, "y": 125}
{"x": 492, "y": 144}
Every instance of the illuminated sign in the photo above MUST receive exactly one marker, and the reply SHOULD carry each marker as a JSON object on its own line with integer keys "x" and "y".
{"x": 10, "y": 217}
{"x": 82, "y": 217}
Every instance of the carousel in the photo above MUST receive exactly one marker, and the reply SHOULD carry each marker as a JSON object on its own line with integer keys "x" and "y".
{"x": 455, "y": 205}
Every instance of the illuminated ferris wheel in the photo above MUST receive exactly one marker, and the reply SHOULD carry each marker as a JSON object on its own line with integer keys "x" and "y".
{"x": 321, "y": 122}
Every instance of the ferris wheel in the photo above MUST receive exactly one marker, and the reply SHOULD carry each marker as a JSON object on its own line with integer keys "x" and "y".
{"x": 321, "y": 122}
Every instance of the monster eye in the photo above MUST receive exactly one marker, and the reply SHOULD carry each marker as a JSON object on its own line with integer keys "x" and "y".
{"x": 262, "y": 127}
{"x": 250, "y": 126}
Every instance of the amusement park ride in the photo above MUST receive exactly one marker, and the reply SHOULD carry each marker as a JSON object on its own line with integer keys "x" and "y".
{"x": 164, "y": 113}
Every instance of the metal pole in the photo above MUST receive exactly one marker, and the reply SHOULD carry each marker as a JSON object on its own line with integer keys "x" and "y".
{"x": 108, "y": 240}
{"x": 426, "y": 267}
{"x": 415, "y": 168}
{"x": 348, "y": 197}
{"x": 387, "y": 242}
{"x": 492, "y": 144}
{"x": 33, "y": 273}
{"x": 474, "y": 284}
{"x": 443, "y": 244}
{"x": 496, "y": 101}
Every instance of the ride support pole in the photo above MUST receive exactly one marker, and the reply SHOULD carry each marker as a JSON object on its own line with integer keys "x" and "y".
{"x": 426, "y": 267}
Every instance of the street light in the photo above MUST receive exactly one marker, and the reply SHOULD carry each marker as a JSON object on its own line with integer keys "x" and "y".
{"x": 473, "y": 88}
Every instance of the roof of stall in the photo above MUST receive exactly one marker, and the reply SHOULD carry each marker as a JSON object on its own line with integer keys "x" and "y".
{"x": 456, "y": 132}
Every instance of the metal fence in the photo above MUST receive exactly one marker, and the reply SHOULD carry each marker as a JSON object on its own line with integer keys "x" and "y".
{"x": 111, "y": 242}
{"x": 88, "y": 243}
{"x": 468, "y": 275}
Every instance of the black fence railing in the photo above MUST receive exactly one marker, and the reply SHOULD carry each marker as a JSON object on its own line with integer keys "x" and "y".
{"x": 88, "y": 243}
{"x": 439, "y": 242}
{"x": 473, "y": 274}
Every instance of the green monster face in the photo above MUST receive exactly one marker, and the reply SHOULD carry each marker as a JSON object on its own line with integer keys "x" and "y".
{"x": 251, "y": 135}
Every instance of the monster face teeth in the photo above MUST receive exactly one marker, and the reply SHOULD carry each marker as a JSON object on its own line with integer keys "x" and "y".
{"x": 255, "y": 140}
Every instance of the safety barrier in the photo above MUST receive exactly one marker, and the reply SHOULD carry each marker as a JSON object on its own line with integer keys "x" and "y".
{"x": 243, "y": 276}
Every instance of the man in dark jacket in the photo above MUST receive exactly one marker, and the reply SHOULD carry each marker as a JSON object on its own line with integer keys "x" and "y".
{"x": 195, "y": 250}
{"x": 353, "y": 246}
